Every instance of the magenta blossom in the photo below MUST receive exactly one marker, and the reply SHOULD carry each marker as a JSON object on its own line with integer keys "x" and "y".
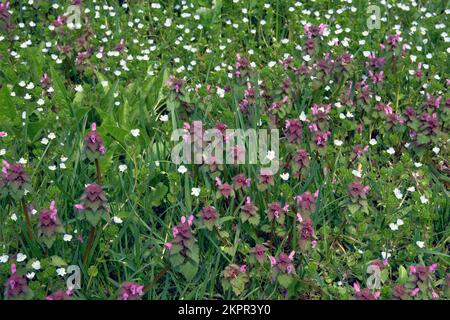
{"x": 283, "y": 263}
{"x": 131, "y": 291}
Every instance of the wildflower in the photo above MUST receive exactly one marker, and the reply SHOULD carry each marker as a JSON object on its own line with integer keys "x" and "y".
{"x": 277, "y": 212}
{"x": 400, "y": 292}
{"x": 195, "y": 192}
{"x": 94, "y": 146}
{"x": 307, "y": 202}
{"x": 365, "y": 294}
{"x": 224, "y": 189}
{"x": 236, "y": 277}
{"x": 60, "y": 295}
{"x": 293, "y": 131}
{"x": 15, "y": 180}
{"x": 131, "y": 291}
{"x": 240, "y": 181}
{"x": 49, "y": 222}
{"x": 301, "y": 159}
{"x": 259, "y": 252}
{"x": 16, "y": 287}
{"x": 265, "y": 180}
{"x": 93, "y": 205}
{"x": 357, "y": 190}
{"x": 182, "y": 169}
{"x": 283, "y": 263}
{"x": 135, "y": 132}
{"x": 175, "y": 84}
{"x": 249, "y": 212}
{"x": 209, "y": 216}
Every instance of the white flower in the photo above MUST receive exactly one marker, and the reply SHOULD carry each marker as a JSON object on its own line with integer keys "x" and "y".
{"x": 61, "y": 272}
{"x": 51, "y": 136}
{"x": 44, "y": 141}
{"x": 4, "y": 258}
{"x": 168, "y": 22}
{"x": 420, "y": 244}
{"x": 285, "y": 176}
{"x": 21, "y": 257}
{"x": 372, "y": 142}
{"x": 356, "y": 173}
{"x": 182, "y": 169}
{"x": 271, "y": 64}
{"x": 393, "y": 226}
{"x": 391, "y": 151}
{"x": 2, "y": 152}
{"x": 338, "y": 142}
{"x": 123, "y": 167}
{"x": 117, "y": 220}
{"x": 135, "y": 132}
{"x": 36, "y": 265}
{"x": 303, "y": 116}
{"x": 417, "y": 164}
{"x": 400, "y": 222}
{"x": 385, "y": 255}
{"x": 436, "y": 150}
{"x": 398, "y": 193}
{"x": 220, "y": 92}
{"x": 79, "y": 88}
{"x": 30, "y": 275}
{"x": 14, "y": 217}
{"x": 164, "y": 118}
{"x": 67, "y": 237}
{"x": 411, "y": 189}
{"x": 52, "y": 168}
{"x": 423, "y": 199}
{"x": 195, "y": 192}
{"x": 270, "y": 155}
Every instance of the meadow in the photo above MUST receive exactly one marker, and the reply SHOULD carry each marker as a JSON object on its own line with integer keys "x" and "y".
{"x": 92, "y": 205}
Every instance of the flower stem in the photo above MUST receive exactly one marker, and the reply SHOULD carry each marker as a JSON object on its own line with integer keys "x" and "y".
{"x": 158, "y": 276}
{"x": 89, "y": 245}
{"x": 27, "y": 219}
{"x": 92, "y": 231}
{"x": 99, "y": 174}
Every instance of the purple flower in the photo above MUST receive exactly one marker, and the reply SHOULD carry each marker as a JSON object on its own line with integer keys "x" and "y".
{"x": 209, "y": 216}
{"x": 294, "y": 130}
{"x": 48, "y": 221}
{"x": 357, "y": 190}
{"x": 131, "y": 291}
{"x": 60, "y": 295}
{"x": 249, "y": 212}
{"x": 306, "y": 229}
{"x": 93, "y": 204}
{"x": 94, "y": 146}
{"x": 276, "y": 212}
{"x": 283, "y": 263}
{"x": 14, "y": 180}
{"x": 259, "y": 252}
{"x": 183, "y": 239}
{"x": 240, "y": 181}
{"x": 16, "y": 286}
{"x": 301, "y": 159}
{"x": 307, "y": 201}
{"x": 175, "y": 84}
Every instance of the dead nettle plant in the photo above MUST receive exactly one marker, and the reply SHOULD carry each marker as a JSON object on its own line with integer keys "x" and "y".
{"x": 93, "y": 206}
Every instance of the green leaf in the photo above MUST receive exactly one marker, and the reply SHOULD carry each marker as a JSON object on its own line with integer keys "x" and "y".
{"x": 92, "y": 271}
{"x": 57, "y": 261}
{"x": 189, "y": 270}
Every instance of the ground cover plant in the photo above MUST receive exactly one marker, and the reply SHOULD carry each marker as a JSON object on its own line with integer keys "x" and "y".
{"x": 93, "y": 207}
